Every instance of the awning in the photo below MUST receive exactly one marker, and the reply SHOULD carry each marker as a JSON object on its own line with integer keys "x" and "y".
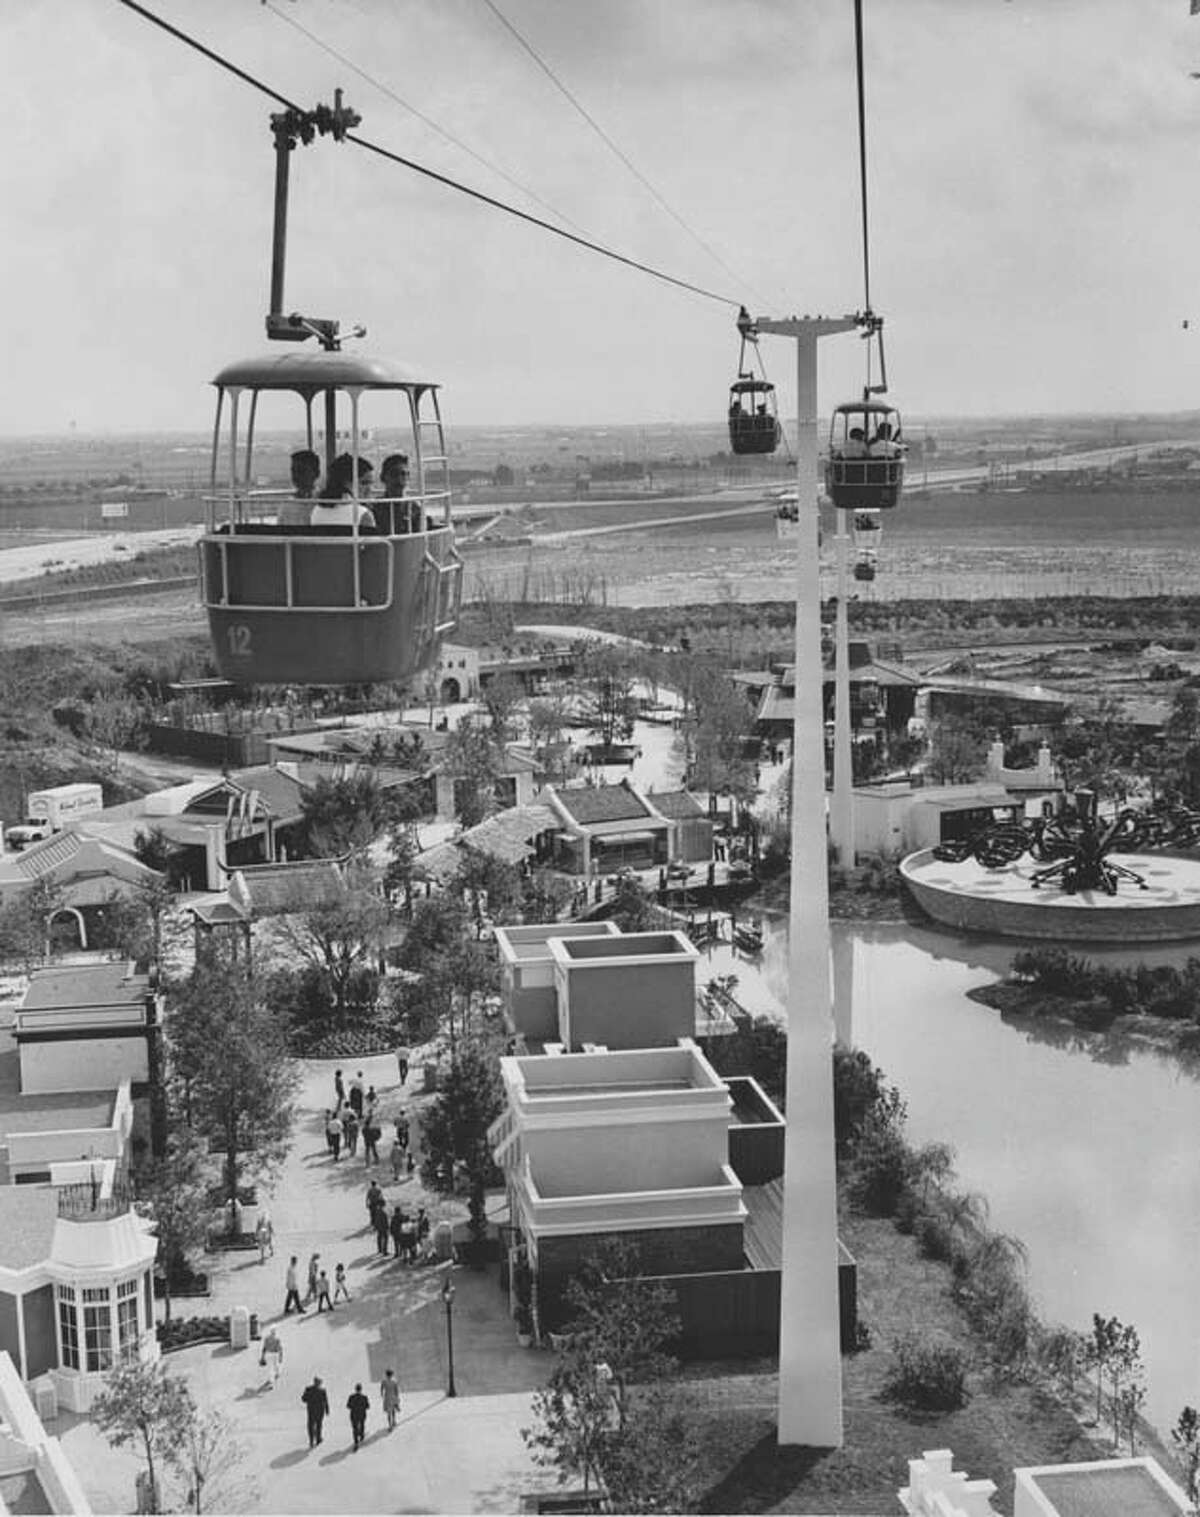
{"x": 619, "y": 839}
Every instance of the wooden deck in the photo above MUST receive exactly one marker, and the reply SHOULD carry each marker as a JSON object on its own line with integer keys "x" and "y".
{"x": 762, "y": 1237}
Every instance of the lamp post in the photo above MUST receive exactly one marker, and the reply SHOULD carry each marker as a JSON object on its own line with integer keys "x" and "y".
{"x": 448, "y": 1302}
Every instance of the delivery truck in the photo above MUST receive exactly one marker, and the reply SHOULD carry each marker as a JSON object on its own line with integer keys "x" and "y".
{"x": 49, "y": 811}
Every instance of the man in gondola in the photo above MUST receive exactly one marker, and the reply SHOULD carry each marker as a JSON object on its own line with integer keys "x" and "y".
{"x": 883, "y": 444}
{"x": 305, "y": 471}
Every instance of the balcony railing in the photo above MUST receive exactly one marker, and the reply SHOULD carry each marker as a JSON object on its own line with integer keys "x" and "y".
{"x": 87, "y": 1202}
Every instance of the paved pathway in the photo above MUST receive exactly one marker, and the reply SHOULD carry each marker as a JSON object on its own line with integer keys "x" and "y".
{"x": 460, "y": 1455}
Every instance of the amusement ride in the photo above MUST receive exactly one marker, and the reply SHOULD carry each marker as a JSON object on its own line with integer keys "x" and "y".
{"x": 352, "y": 588}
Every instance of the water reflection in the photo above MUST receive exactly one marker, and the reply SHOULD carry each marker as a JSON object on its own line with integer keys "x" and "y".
{"x": 1086, "y": 1146}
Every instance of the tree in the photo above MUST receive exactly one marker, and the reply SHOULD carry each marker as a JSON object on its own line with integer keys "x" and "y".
{"x": 340, "y": 942}
{"x": 957, "y": 752}
{"x": 25, "y": 924}
{"x": 1185, "y": 1435}
{"x": 605, "y": 679}
{"x": 206, "y": 1458}
{"x": 605, "y": 1413}
{"x": 715, "y": 736}
{"x": 343, "y": 817}
{"x": 454, "y": 1131}
{"x": 654, "y": 1466}
{"x": 143, "y": 1405}
{"x": 130, "y": 922}
{"x": 547, "y": 718}
{"x": 473, "y": 761}
{"x": 633, "y": 909}
{"x": 403, "y": 846}
{"x": 176, "y": 1192}
{"x": 502, "y": 696}
{"x": 155, "y": 849}
{"x": 229, "y": 1055}
{"x": 113, "y": 721}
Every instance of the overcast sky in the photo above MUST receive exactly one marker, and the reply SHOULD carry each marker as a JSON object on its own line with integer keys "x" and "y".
{"x": 1034, "y": 179}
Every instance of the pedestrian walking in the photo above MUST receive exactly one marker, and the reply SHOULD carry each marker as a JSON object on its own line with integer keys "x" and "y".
{"x": 358, "y": 1404}
{"x": 397, "y": 1157}
{"x": 272, "y": 1356}
{"x": 372, "y": 1101}
{"x": 402, "y": 1061}
{"x": 314, "y": 1275}
{"x": 316, "y": 1402}
{"x": 264, "y": 1233}
{"x": 333, "y": 1131}
{"x": 323, "y": 1299}
{"x": 339, "y": 1087}
{"x": 389, "y": 1397}
{"x": 356, "y": 1093}
{"x": 328, "y": 1129}
{"x": 381, "y": 1230}
{"x": 371, "y": 1135}
{"x": 374, "y": 1200}
{"x": 292, "y": 1282}
{"x": 339, "y": 1285}
{"x": 350, "y": 1130}
{"x": 398, "y": 1224}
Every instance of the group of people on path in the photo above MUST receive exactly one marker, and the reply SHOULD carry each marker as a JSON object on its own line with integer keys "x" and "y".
{"x": 406, "y": 1233}
{"x": 318, "y": 1286}
{"x": 316, "y": 1403}
{"x": 355, "y": 1113}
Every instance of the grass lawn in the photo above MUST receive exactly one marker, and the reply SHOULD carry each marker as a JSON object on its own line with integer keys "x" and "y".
{"x": 1001, "y": 1427}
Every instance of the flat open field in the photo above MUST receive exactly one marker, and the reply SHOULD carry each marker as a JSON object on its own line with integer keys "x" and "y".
{"x": 1118, "y": 542}
{"x": 945, "y": 546}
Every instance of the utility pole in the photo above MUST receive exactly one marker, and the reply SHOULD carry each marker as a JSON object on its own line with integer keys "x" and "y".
{"x": 810, "y": 1365}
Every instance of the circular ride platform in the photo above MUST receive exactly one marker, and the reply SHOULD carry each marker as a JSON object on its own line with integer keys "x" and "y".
{"x": 970, "y": 898}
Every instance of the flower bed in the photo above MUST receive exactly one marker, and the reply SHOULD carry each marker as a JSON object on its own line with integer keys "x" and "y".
{"x": 350, "y": 1043}
{"x": 222, "y": 1242}
{"x": 194, "y": 1283}
{"x": 183, "y": 1332}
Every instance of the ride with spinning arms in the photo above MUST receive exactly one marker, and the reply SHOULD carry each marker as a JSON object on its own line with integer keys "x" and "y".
{"x": 1075, "y": 844}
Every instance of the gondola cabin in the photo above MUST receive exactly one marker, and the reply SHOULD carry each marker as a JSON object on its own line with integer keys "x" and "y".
{"x": 864, "y": 470}
{"x": 753, "y": 418}
{"x": 347, "y": 575}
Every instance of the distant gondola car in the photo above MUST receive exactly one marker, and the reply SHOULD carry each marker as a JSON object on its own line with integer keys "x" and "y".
{"x": 753, "y": 420}
{"x": 293, "y": 601}
{"x": 864, "y": 470}
{"x": 753, "y": 415}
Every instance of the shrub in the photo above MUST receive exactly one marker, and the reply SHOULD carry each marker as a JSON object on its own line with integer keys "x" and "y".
{"x": 878, "y": 1170}
{"x": 182, "y": 1332}
{"x": 935, "y": 1237}
{"x": 857, "y": 1086}
{"x": 929, "y": 1374}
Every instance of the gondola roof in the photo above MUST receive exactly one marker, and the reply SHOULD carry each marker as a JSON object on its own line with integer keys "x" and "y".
{"x": 319, "y": 369}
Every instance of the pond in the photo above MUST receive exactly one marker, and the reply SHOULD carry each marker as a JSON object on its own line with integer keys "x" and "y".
{"x": 1086, "y": 1147}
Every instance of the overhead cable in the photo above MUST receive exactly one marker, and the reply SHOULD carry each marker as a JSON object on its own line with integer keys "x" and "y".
{"x": 428, "y": 173}
{"x": 607, "y": 140}
{"x": 428, "y": 121}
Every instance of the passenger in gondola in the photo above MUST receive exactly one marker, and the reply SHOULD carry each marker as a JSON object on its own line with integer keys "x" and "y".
{"x": 404, "y": 514}
{"x": 305, "y": 470}
{"x": 735, "y": 407}
{"x": 855, "y": 445}
{"x": 336, "y": 506}
{"x": 883, "y": 444}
